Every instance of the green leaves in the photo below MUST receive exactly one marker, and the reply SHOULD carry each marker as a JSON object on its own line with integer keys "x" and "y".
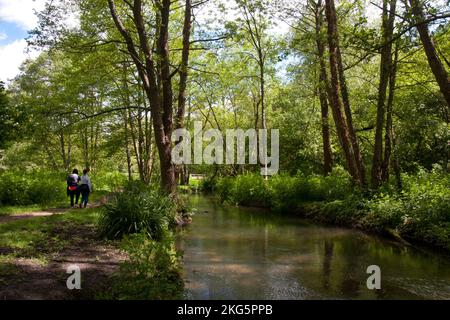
{"x": 137, "y": 209}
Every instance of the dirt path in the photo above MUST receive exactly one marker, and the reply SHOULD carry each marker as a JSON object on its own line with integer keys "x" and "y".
{"x": 97, "y": 261}
{"x": 25, "y": 277}
{"x": 44, "y": 213}
{"x": 27, "y": 215}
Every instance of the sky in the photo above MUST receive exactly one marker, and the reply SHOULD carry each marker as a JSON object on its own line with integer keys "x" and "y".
{"x": 16, "y": 18}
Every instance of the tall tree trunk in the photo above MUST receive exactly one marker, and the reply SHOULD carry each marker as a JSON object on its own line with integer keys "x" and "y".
{"x": 434, "y": 61}
{"x": 388, "y": 16}
{"x": 183, "y": 71}
{"x": 333, "y": 93}
{"x": 322, "y": 90}
{"x": 163, "y": 128}
{"x": 85, "y": 147}
{"x": 184, "y": 64}
{"x": 397, "y": 169}
{"x": 127, "y": 146}
{"x": 349, "y": 119}
{"x": 69, "y": 152}
{"x": 62, "y": 145}
{"x": 388, "y": 134}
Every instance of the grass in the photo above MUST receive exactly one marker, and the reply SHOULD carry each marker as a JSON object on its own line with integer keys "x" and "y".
{"x": 21, "y": 209}
{"x": 9, "y": 210}
{"x": 37, "y": 238}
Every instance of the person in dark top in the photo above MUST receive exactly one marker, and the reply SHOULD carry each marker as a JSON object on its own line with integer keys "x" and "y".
{"x": 73, "y": 188}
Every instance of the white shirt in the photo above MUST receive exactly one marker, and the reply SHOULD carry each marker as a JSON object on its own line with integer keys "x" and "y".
{"x": 86, "y": 180}
{"x": 75, "y": 177}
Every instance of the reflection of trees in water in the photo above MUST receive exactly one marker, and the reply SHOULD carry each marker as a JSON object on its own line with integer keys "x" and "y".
{"x": 327, "y": 259}
{"x": 354, "y": 266}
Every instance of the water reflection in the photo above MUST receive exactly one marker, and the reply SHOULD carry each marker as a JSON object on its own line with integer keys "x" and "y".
{"x": 244, "y": 253}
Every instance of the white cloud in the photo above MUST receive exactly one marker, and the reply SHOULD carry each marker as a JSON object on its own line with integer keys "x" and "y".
{"x": 21, "y": 12}
{"x": 11, "y": 57}
{"x": 3, "y": 36}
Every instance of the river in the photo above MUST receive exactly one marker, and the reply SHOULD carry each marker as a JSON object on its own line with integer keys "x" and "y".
{"x": 250, "y": 253}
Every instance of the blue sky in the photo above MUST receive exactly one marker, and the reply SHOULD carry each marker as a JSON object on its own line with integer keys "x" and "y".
{"x": 9, "y": 32}
{"x": 16, "y": 18}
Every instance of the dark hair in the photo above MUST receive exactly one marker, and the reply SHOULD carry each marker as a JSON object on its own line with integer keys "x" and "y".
{"x": 75, "y": 171}
{"x": 85, "y": 171}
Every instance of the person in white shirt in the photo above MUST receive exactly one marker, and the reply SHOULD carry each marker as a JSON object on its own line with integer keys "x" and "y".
{"x": 85, "y": 188}
{"x": 73, "y": 188}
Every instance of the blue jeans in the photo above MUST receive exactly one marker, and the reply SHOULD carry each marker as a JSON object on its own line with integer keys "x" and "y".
{"x": 84, "y": 195}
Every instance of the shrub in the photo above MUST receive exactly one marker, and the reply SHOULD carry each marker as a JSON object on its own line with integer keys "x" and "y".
{"x": 151, "y": 272}
{"x": 283, "y": 191}
{"x": 208, "y": 184}
{"x": 34, "y": 187}
{"x": 225, "y": 188}
{"x": 251, "y": 189}
{"x": 138, "y": 208}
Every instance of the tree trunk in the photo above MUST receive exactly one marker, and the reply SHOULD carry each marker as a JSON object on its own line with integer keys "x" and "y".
{"x": 397, "y": 169}
{"x": 127, "y": 146}
{"x": 349, "y": 119}
{"x": 187, "y": 25}
{"x": 388, "y": 134}
{"x": 333, "y": 93}
{"x": 385, "y": 70}
{"x": 62, "y": 146}
{"x": 322, "y": 91}
{"x": 434, "y": 61}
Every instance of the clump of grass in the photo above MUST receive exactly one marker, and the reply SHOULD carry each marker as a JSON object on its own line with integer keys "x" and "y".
{"x": 138, "y": 208}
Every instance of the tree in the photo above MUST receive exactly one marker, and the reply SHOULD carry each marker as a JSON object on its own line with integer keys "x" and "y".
{"x": 434, "y": 61}
{"x": 341, "y": 114}
{"x": 155, "y": 74}
{"x": 380, "y": 165}
{"x": 322, "y": 87}
{"x": 8, "y": 119}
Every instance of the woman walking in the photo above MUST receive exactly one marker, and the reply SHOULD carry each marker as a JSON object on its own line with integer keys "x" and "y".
{"x": 85, "y": 188}
{"x": 73, "y": 188}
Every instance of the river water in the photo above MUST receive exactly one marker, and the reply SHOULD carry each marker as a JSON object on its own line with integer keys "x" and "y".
{"x": 249, "y": 253}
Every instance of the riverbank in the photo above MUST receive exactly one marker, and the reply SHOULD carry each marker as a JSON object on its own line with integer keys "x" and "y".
{"x": 420, "y": 213}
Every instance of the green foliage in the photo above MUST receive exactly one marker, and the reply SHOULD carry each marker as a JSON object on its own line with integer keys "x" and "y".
{"x": 34, "y": 187}
{"x": 249, "y": 189}
{"x": 208, "y": 184}
{"x": 10, "y": 118}
{"x": 151, "y": 272}
{"x": 283, "y": 192}
{"x": 138, "y": 208}
{"x": 111, "y": 181}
